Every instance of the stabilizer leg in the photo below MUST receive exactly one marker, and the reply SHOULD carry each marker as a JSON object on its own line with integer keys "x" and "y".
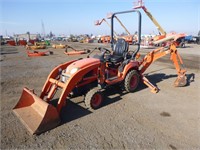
{"x": 153, "y": 88}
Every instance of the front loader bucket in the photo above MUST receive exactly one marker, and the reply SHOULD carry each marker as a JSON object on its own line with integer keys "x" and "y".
{"x": 37, "y": 115}
{"x": 180, "y": 81}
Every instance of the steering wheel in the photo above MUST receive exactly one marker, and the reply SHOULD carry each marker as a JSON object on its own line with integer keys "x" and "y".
{"x": 101, "y": 49}
{"x": 104, "y": 50}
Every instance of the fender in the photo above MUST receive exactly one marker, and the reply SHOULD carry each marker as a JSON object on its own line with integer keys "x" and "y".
{"x": 131, "y": 65}
{"x": 121, "y": 75}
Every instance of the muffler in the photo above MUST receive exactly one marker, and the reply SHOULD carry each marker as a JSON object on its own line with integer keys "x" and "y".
{"x": 37, "y": 115}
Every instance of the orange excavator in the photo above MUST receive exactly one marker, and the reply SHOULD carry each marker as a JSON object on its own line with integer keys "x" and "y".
{"x": 162, "y": 33}
{"x": 90, "y": 77}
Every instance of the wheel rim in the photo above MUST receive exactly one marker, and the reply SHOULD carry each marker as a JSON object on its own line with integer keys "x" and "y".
{"x": 96, "y": 100}
{"x": 133, "y": 82}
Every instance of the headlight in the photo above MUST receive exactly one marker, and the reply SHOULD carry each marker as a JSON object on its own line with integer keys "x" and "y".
{"x": 74, "y": 70}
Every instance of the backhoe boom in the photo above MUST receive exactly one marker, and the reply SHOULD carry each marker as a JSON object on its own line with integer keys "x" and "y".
{"x": 159, "y": 53}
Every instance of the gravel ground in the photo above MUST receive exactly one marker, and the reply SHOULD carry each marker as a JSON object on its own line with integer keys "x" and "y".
{"x": 169, "y": 119}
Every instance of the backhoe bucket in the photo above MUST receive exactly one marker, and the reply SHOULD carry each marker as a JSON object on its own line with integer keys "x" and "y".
{"x": 180, "y": 81}
{"x": 37, "y": 115}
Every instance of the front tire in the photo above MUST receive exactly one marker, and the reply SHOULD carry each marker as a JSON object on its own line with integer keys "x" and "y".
{"x": 93, "y": 99}
{"x": 131, "y": 81}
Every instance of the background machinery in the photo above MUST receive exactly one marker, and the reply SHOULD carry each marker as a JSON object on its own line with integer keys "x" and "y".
{"x": 104, "y": 38}
{"x": 128, "y": 38}
{"x": 162, "y": 33}
{"x": 197, "y": 38}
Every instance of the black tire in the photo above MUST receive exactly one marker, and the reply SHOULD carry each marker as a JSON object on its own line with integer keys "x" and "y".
{"x": 93, "y": 99}
{"x": 131, "y": 81}
{"x": 198, "y": 40}
{"x": 182, "y": 44}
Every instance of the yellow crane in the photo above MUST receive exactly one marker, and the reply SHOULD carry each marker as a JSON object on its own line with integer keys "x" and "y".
{"x": 177, "y": 37}
{"x": 140, "y": 4}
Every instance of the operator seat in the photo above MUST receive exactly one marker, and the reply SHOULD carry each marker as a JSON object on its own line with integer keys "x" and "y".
{"x": 120, "y": 51}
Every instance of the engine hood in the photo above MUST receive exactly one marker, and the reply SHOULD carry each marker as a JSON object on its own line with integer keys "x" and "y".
{"x": 80, "y": 64}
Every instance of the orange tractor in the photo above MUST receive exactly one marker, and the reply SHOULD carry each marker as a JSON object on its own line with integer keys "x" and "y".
{"x": 90, "y": 77}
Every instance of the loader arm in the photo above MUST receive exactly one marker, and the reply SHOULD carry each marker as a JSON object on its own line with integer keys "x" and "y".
{"x": 38, "y": 113}
{"x": 159, "y": 53}
{"x": 53, "y": 75}
{"x": 73, "y": 81}
{"x": 52, "y": 83}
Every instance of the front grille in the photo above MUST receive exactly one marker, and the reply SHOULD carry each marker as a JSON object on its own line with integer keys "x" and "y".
{"x": 64, "y": 77}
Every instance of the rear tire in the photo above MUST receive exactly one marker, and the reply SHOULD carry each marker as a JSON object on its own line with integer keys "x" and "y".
{"x": 182, "y": 44}
{"x": 198, "y": 40}
{"x": 93, "y": 99}
{"x": 131, "y": 81}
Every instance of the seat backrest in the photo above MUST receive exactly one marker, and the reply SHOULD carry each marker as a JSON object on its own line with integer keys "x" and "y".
{"x": 121, "y": 47}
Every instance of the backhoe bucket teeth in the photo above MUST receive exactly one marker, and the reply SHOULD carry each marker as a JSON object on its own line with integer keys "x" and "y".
{"x": 180, "y": 81}
{"x": 37, "y": 115}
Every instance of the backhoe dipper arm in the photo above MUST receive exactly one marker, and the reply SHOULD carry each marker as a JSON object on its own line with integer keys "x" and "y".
{"x": 158, "y": 53}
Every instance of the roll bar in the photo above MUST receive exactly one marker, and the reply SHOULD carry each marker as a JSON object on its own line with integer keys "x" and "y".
{"x": 139, "y": 28}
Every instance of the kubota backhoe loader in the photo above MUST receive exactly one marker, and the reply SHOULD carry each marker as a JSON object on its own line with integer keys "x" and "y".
{"x": 89, "y": 76}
